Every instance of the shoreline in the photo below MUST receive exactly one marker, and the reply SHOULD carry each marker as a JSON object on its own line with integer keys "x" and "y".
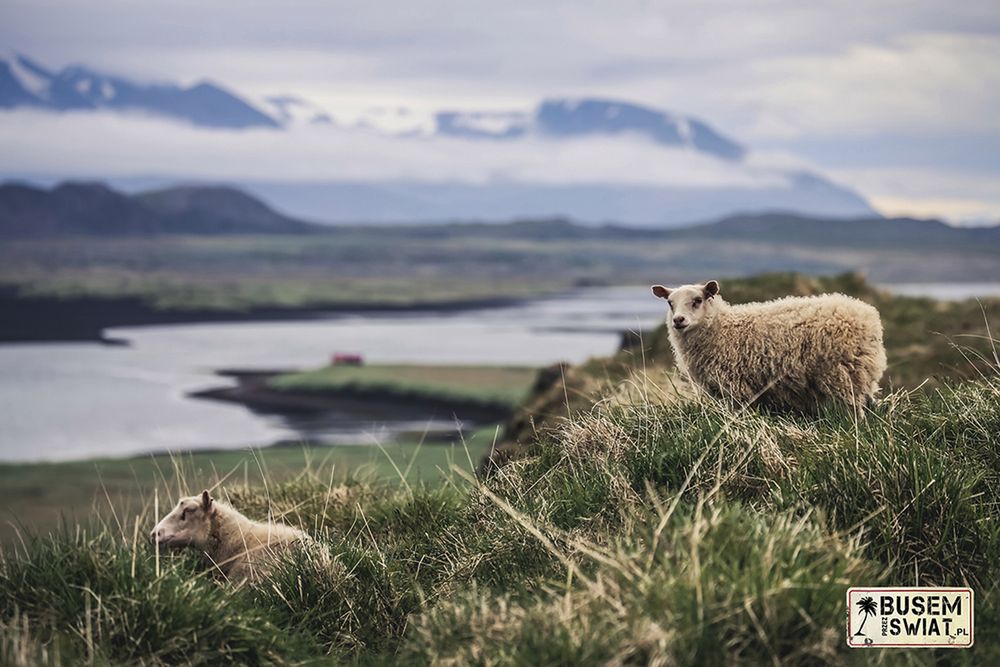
{"x": 37, "y": 319}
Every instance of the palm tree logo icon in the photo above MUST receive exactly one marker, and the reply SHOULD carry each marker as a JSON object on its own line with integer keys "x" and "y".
{"x": 866, "y": 606}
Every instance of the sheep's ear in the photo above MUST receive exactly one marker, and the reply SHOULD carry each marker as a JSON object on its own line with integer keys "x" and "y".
{"x": 206, "y": 500}
{"x": 661, "y": 291}
{"x": 711, "y": 288}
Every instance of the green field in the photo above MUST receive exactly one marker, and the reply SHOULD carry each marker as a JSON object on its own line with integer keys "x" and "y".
{"x": 490, "y": 385}
{"x": 237, "y": 273}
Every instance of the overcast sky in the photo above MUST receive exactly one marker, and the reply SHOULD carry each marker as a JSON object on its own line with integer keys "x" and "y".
{"x": 897, "y": 99}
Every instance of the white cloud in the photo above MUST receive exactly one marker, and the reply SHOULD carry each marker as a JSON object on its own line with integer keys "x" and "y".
{"x": 957, "y": 196}
{"x": 957, "y": 211}
{"x": 102, "y": 145}
{"x": 924, "y": 82}
{"x": 767, "y": 69}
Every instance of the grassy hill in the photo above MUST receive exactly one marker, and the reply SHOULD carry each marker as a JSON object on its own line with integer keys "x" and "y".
{"x": 928, "y": 343}
{"x": 644, "y": 526}
{"x": 90, "y": 209}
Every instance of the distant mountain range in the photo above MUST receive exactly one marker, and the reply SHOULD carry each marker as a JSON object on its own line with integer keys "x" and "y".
{"x": 77, "y": 209}
{"x": 569, "y": 118}
{"x": 885, "y": 234}
{"x": 24, "y": 83}
{"x": 94, "y": 209}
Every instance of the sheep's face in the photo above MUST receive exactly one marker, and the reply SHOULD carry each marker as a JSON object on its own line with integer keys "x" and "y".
{"x": 690, "y": 305}
{"x": 188, "y": 524}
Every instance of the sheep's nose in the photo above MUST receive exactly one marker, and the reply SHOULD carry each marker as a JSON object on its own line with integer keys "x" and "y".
{"x": 153, "y": 534}
{"x": 680, "y": 321}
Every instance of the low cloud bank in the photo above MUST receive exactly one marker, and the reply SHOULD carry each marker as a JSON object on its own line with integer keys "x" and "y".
{"x": 105, "y": 145}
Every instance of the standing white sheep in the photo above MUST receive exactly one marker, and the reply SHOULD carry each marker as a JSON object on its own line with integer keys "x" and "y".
{"x": 795, "y": 353}
{"x": 240, "y": 548}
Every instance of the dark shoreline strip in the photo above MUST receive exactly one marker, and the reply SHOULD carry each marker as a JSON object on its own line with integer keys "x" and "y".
{"x": 84, "y": 319}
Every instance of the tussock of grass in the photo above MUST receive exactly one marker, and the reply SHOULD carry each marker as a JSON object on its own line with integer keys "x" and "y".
{"x": 711, "y": 584}
{"x": 108, "y": 602}
{"x": 650, "y": 528}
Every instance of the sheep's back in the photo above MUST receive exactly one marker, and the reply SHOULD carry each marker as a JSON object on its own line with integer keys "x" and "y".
{"x": 825, "y": 326}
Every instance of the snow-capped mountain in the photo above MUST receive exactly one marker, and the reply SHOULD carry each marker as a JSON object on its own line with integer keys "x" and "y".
{"x": 563, "y": 121}
{"x": 289, "y": 109}
{"x": 25, "y": 83}
{"x": 559, "y": 119}
{"x": 588, "y": 117}
{"x": 483, "y": 124}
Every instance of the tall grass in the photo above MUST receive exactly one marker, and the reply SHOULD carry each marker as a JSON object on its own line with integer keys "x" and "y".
{"x": 651, "y": 528}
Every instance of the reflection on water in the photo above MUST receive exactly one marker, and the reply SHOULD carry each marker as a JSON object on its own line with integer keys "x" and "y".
{"x": 74, "y": 400}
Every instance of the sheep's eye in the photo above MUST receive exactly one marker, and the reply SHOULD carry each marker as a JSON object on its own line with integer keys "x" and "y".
{"x": 184, "y": 514}
{"x": 696, "y": 303}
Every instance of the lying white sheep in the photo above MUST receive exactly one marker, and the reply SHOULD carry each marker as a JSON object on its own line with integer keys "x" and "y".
{"x": 241, "y": 549}
{"x": 795, "y": 353}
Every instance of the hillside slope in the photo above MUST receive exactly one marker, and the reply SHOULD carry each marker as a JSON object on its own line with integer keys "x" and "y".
{"x": 928, "y": 344}
{"x": 217, "y": 210}
{"x": 889, "y": 233}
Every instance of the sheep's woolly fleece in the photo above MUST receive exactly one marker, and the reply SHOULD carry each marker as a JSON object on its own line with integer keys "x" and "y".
{"x": 794, "y": 353}
{"x": 239, "y": 548}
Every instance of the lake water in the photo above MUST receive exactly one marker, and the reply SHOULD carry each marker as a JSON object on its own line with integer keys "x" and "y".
{"x": 70, "y": 401}
{"x": 947, "y": 291}
{"x": 76, "y": 400}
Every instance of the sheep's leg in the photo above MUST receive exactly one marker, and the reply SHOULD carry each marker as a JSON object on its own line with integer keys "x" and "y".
{"x": 857, "y": 398}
